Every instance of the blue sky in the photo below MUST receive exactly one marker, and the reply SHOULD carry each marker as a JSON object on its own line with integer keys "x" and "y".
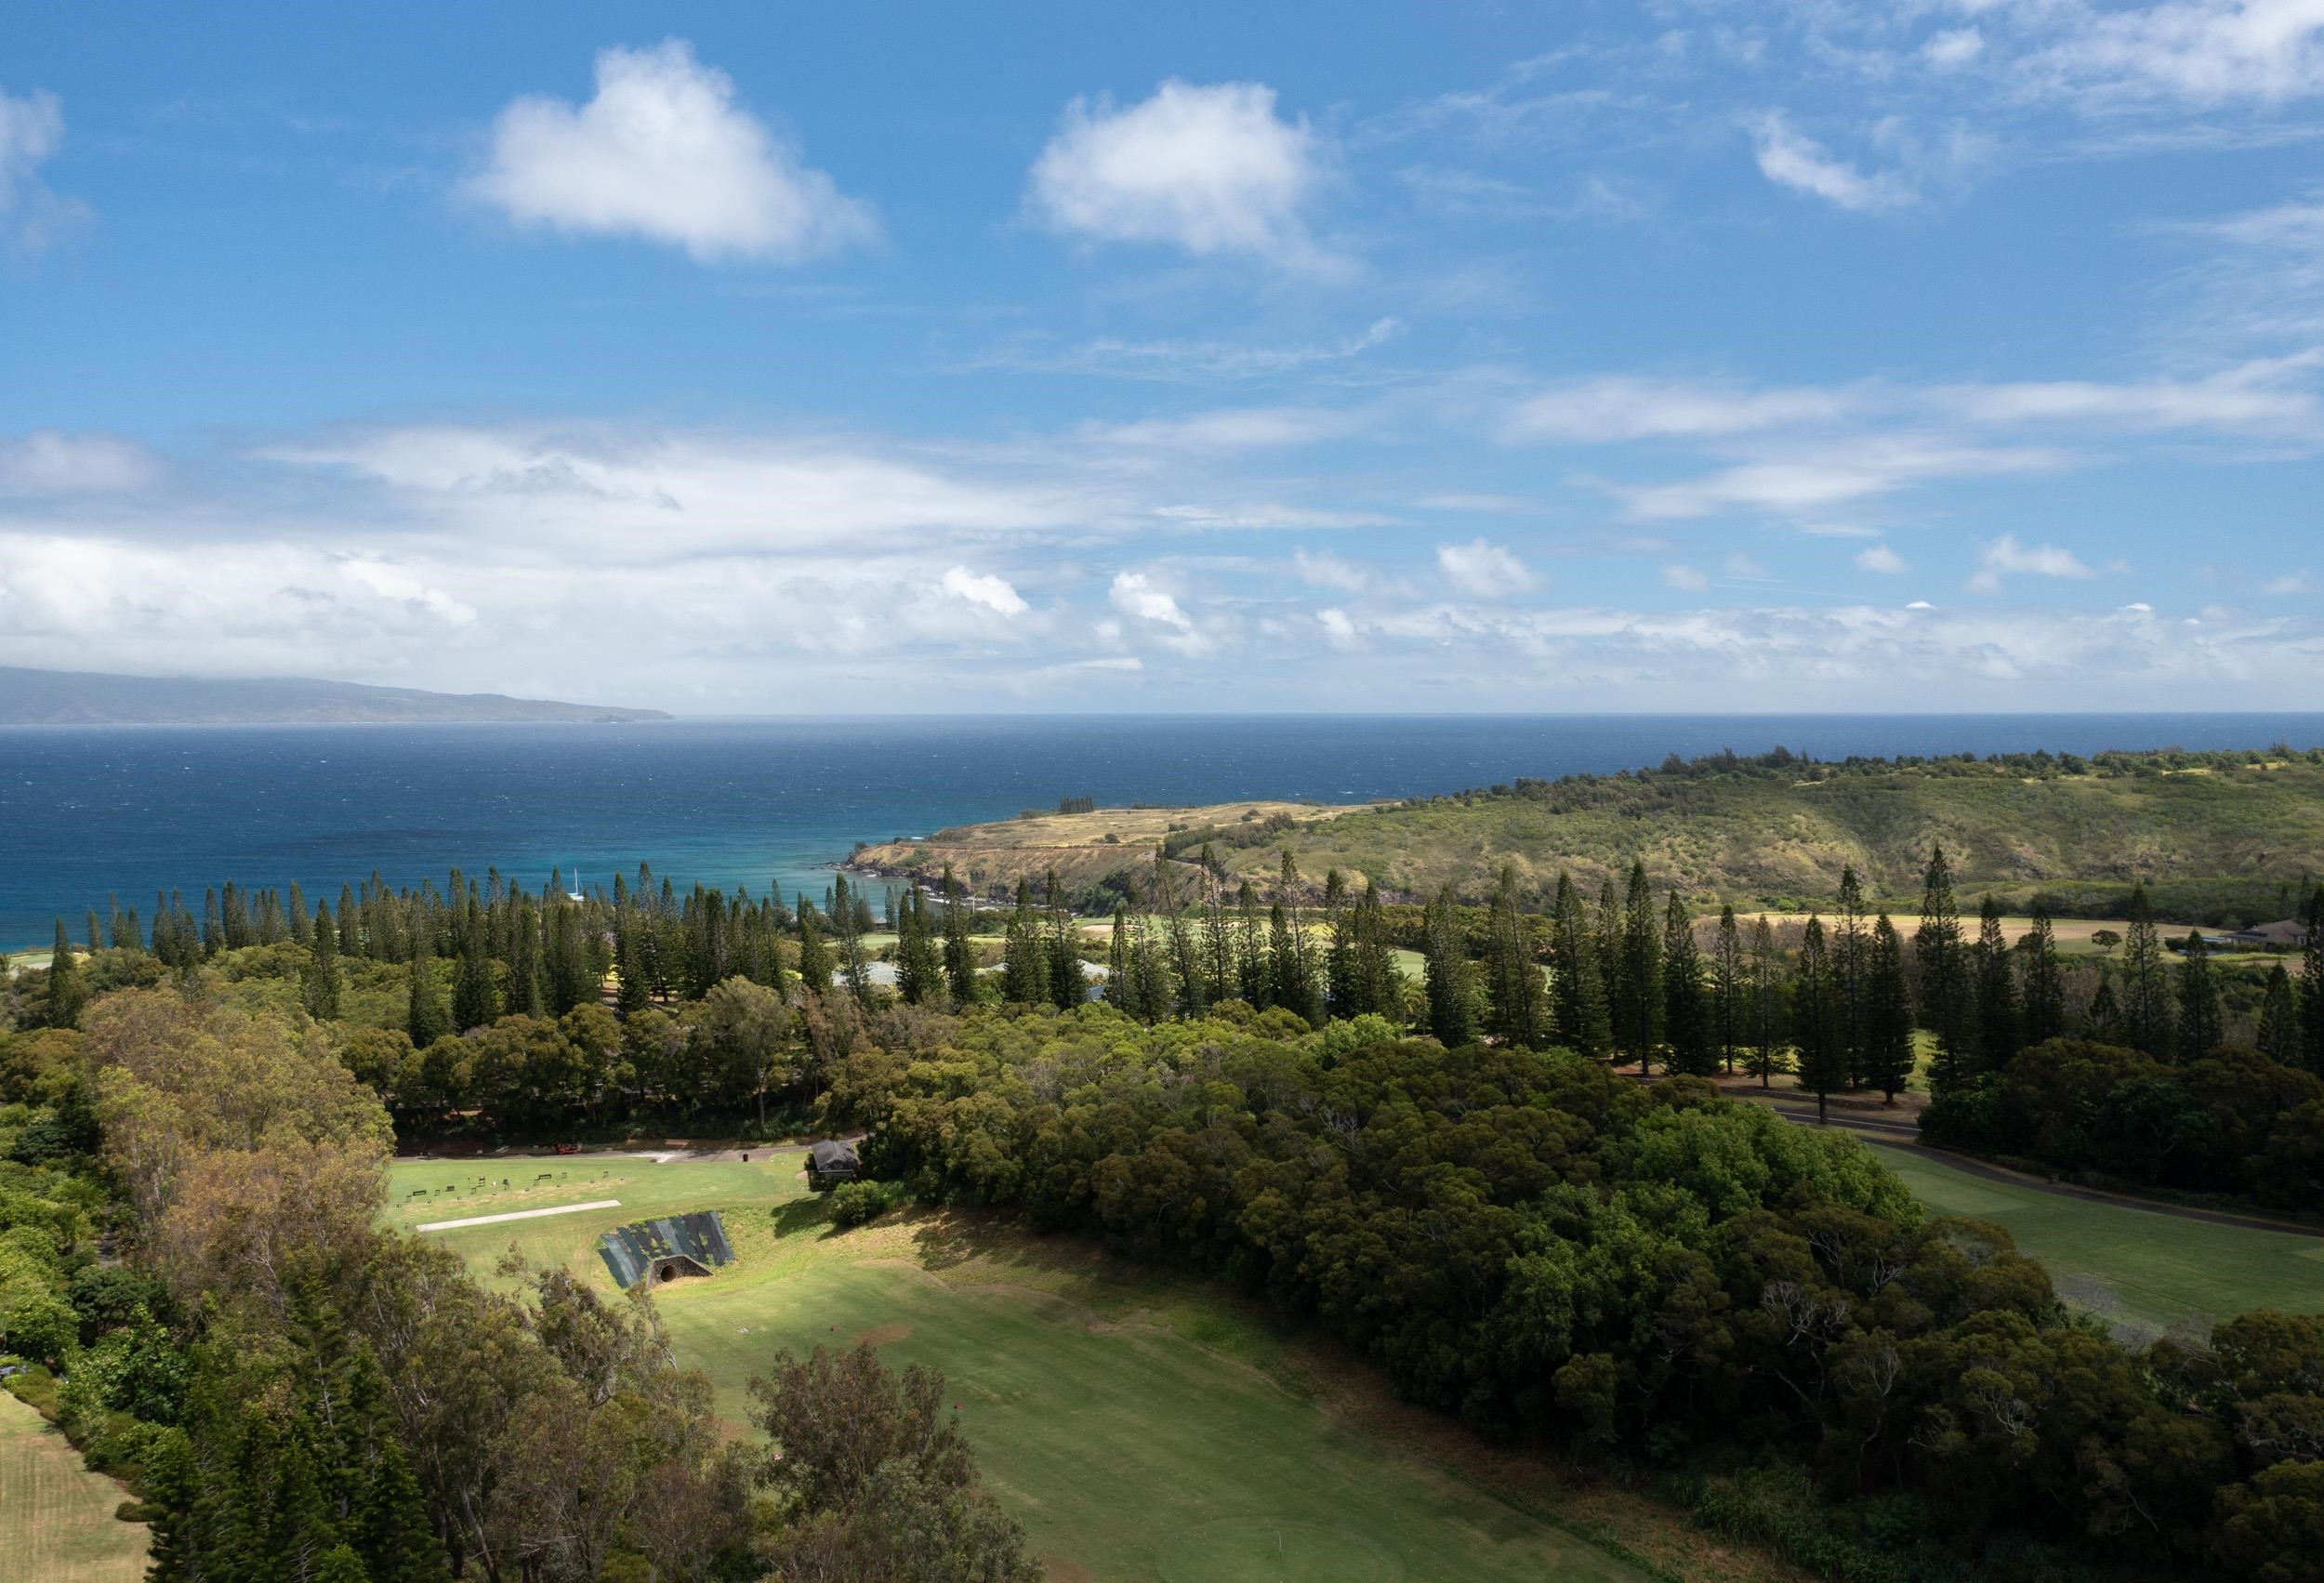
{"x": 1685, "y": 356}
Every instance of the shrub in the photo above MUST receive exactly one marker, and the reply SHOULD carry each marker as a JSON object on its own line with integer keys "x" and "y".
{"x": 860, "y": 1203}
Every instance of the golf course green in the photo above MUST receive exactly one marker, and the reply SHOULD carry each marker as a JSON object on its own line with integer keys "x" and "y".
{"x": 1140, "y": 1429}
{"x": 2141, "y": 1271}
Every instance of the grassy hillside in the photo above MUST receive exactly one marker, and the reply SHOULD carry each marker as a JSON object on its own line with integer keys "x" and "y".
{"x": 2220, "y": 837}
{"x": 56, "y": 1522}
{"x": 1141, "y": 1428}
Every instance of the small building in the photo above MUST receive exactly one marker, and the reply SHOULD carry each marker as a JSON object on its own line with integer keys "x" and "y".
{"x": 653, "y": 1251}
{"x": 831, "y": 1163}
{"x": 2285, "y": 934}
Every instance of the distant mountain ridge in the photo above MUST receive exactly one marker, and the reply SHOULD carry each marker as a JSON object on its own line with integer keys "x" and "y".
{"x": 30, "y": 697}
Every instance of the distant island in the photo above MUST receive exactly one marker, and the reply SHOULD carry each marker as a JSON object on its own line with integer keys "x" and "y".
{"x": 31, "y": 697}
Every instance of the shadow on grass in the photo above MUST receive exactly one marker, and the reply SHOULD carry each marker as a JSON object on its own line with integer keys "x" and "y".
{"x": 796, "y": 1215}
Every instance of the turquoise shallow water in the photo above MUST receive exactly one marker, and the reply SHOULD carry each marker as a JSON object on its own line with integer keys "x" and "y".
{"x": 85, "y": 812}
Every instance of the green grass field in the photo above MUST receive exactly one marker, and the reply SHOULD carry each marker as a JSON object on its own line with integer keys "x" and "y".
{"x": 1143, "y": 1429}
{"x": 2143, "y": 1272}
{"x": 56, "y": 1522}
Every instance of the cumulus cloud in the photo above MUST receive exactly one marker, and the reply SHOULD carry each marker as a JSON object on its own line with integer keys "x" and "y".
{"x": 1483, "y": 569}
{"x": 2005, "y": 556}
{"x": 1880, "y": 557}
{"x": 993, "y": 593}
{"x": 1211, "y": 169}
{"x": 1791, "y": 158}
{"x": 1338, "y": 628}
{"x": 2201, "y": 51}
{"x": 1953, "y": 47}
{"x": 663, "y": 151}
{"x": 32, "y": 128}
{"x": 1136, "y": 594}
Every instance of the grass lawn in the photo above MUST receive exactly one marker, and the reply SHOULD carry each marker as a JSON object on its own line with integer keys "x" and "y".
{"x": 2141, "y": 1271}
{"x": 56, "y": 1522}
{"x": 1143, "y": 1428}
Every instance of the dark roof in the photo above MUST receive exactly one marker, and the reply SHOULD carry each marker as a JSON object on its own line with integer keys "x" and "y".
{"x": 2284, "y": 931}
{"x": 631, "y": 1251}
{"x": 831, "y": 1154}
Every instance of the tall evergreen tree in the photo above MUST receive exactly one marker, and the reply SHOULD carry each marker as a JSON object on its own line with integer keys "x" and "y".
{"x": 1887, "y": 1012}
{"x": 2311, "y": 986}
{"x": 426, "y": 1018}
{"x": 1582, "y": 1024}
{"x": 319, "y": 985}
{"x": 67, "y": 995}
{"x": 1068, "y": 987}
{"x": 1298, "y": 978}
{"x": 959, "y": 950}
{"x": 1726, "y": 988}
{"x": 1190, "y": 983}
{"x": 1685, "y": 1010}
{"x": 631, "y": 993}
{"x": 2042, "y": 1003}
{"x": 1638, "y": 1000}
{"x": 1446, "y": 962}
{"x": 1850, "y": 941}
{"x": 2145, "y": 982}
{"x": 526, "y": 993}
{"x": 2104, "y": 1017}
{"x": 1944, "y": 993}
{"x": 1340, "y": 988}
{"x": 1379, "y": 977}
{"x": 1993, "y": 990}
{"x": 2200, "y": 1020}
{"x": 847, "y": 933}
{"x": 1119, "y": 993}
{"x": 1217, "y": 938}
{"x": 475, "y": 996}
{"x": 1816, "y": 1019}
{"x": 1765, "y": 1009}
{"x": 1024, "y": 961}
{"x": 1512, "y": 978}
{"x": 2280, "y": 1020}
{"x": 815, "y": 956}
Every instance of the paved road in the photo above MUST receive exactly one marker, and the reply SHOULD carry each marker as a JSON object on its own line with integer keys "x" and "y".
{"x": 1905, "y": 1135}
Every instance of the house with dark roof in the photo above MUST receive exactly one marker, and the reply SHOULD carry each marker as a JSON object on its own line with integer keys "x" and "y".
{"x": 831, "y": 1163}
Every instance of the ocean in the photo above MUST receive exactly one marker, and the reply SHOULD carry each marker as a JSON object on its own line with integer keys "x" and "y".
{"x": 91, "y": 812}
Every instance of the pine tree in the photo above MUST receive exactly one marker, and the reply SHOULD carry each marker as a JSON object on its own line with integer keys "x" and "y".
{"x": 1936, "y": 948}
{"x": 1251, "y": 977}
{"x": 2105, "y": 1014}
{"x": 1579, "y": 991}
{"x": 919, "y": 962}
{"x": 1298, "y": 981}
{"x": 1025, "y": 962}
{"x": 2043, "y": 1001}
{"x": 1993, "y": 990}
{"x": 2311, "y": 986}
{"x": 1068, "y": 987}
{"x": 1512, "y": 978}
{"x": 1685, "y": 1011}
{"x": 1218, "y": 940}
{"x": 1638, "y": 1000}
{"x": 2279, "y": 1022}
{"x": 426, "y": 1019}
{"x": 475, "y": 997}
{"x": 1340, "y": 960}
{"x": 2145, "y": 982}
{"x": 1850, "y": 971}
{"x": 1378, "y": 976}
{"x": 66, "y": 993}
{"x": 959, "y": 950}
{"x": 1764, "y": 1006}
{"x": 814, "y": 958}
{"x": 525, "y": 994}
{"x": 1446, "y": 968}
{"x": 631, "y": 994}
{"x": 1816, "y": 1019}
{"x": 319, "y": 985}
{"x": 2200, "y": 1020}
{"x": 1119, "y": 992}
{"x": 1726, "y": 988}
{"x": 1888, "y": 1051}
{"x": 847, "y": 925}
{"x": 1190, "y": 983}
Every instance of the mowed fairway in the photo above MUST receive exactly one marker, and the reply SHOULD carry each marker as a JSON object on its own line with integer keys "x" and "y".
{"x": 1140, "y": 1433}
{"x": 56, "y": 1522}
{"x": 2141, "y": 1271}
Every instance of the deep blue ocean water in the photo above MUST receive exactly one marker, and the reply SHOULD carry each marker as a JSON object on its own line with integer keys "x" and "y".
{"x": 85, "y": 812}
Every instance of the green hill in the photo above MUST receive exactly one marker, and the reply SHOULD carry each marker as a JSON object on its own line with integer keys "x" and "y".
{"x": 2225, "y": 838}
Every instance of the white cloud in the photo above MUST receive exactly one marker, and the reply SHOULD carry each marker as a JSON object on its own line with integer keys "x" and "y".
{"x": 1679, "y": 575}
{"x": 1338, "y": 630}
{"x": 1880, "y": 557}
{"x": 1320, "y": 568}
{"x": 665, "y": 153}
{"x": 32, "y": 128}
{"x": 2005, "y": 556}
{"x": 1210, "y": 169}
{"x": 2202, "y": 52}
{"x": 1837, "y": 473}
{"x": 1615, "y": 406}
{"x": 994, "y": 593}
{"x": 50, "y": 462}
{"x": 1482, "y": 570}
{"x": 1791, "y": 158}
{"x": 1179, "y": 359}
{"x": 1135, "y": 594}
{"x": 2290, "y": 583}
{"x": 1953, "y": 47}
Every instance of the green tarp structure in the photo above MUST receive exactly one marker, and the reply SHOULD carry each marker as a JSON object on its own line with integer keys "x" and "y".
{"x": 630, "y": 1253}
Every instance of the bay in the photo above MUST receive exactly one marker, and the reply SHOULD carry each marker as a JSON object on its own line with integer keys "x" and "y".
{"x": 86, "y": 812}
